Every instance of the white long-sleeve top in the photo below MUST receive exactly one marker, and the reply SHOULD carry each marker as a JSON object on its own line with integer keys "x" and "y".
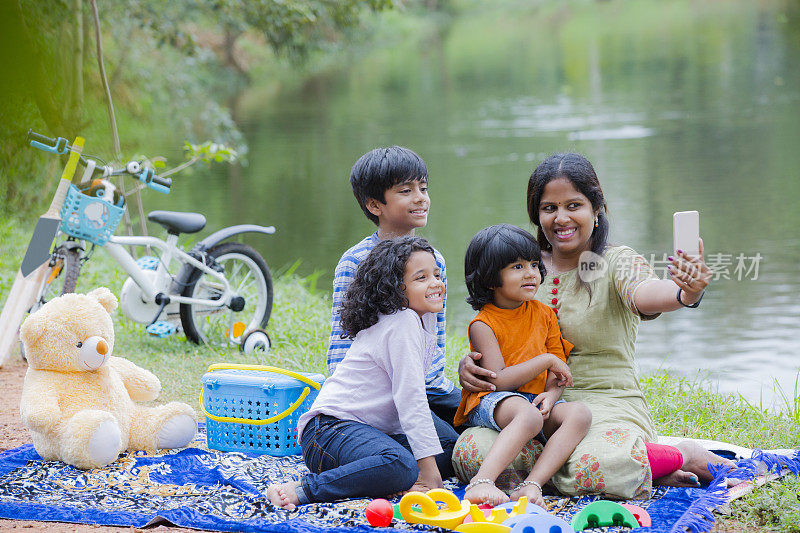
{"x": 381, "y": 381}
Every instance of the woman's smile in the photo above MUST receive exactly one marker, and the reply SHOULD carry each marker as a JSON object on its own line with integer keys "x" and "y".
{"x": 564, "y": 234}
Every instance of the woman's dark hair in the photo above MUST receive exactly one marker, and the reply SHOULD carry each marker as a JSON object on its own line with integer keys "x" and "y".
{"x": 580, "y": 172}
{"x": 378, "y": 285}
{"x": 489, "y": 252}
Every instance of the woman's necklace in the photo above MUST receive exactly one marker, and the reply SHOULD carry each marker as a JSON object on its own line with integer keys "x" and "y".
{"x": 554, "y": 300}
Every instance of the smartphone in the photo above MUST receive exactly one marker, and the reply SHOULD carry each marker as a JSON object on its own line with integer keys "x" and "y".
{"x": 686, "y": 231}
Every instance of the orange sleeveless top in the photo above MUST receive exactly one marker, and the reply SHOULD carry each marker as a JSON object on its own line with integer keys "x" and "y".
{"x": 522, "y": 333}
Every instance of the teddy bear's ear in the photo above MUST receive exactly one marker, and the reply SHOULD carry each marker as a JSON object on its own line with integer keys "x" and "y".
{"x": 105, "y": 297}
{"x": 32, "y": 328}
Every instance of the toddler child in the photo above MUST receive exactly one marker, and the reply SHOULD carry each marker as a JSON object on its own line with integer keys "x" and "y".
{"x": 370, "y": 432}
{"x": 521, "y": 342}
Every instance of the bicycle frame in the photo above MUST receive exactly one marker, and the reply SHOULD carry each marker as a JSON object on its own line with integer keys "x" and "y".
{"x": 115, "y": 248}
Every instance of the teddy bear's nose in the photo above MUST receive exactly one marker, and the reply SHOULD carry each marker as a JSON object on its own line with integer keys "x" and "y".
{"x": 94, "y": 353}
{"x": 102, "y": 347}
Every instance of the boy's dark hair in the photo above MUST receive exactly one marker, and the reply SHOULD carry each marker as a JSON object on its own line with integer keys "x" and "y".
{"x": 489, "y": 252}
{"x": 378, "y": 285}
{"x": 381, "y": 169}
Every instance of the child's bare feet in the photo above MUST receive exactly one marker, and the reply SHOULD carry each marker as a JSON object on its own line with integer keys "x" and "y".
{"x": 485, "y": 493}
{"x": 530, "y": 491}
{"x": 696, "y": 459}
{"x": 284, "y": 495}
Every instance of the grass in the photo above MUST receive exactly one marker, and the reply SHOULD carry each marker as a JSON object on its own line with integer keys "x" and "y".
{"x": 299, "y": 331}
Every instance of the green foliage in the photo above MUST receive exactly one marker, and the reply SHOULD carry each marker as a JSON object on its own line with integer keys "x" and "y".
{"x": 209, "y": 151}
{"x": 294, "y": 27}
{"x": 173, "y": 68}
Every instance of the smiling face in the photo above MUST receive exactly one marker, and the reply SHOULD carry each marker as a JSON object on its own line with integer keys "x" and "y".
{"x": 519, "y": 282}
{"x": 405, "y": 208}
{"x": 566, "y": 217}
{"x": 422, "y": 283}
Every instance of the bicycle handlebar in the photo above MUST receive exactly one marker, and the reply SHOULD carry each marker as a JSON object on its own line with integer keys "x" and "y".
{"x": 60, "y": 145}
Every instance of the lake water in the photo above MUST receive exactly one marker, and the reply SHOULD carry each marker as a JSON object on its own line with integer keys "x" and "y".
{"x": 679, "y": 105}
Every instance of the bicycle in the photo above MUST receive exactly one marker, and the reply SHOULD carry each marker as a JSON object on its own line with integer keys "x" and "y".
{"x": 221, "y": 294}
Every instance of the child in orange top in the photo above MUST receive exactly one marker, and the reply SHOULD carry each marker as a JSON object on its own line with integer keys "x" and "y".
{"x": 521, "y": 342}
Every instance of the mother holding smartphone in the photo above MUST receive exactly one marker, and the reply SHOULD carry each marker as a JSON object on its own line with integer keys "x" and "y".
{"x": 600, "y": 292}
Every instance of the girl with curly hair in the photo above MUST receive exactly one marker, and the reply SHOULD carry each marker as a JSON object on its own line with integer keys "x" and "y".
{"x": 370, "y": 432}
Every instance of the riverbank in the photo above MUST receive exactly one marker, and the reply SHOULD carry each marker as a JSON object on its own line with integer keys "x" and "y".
{"x": 299, "y": 330}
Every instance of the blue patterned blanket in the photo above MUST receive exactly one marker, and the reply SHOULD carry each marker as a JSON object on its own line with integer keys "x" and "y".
{"x": 202, "y": 489}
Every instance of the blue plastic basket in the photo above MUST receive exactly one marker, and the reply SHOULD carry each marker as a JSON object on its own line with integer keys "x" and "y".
{"x": 88, "y": 217}
{"x": 253, "y": 408}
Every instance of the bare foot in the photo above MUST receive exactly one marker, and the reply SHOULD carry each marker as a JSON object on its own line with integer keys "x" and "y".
{"x": 284, "y": 495}
{"x": 531, "y": 492}
{"x": 696, "y": 459}
{"x": 486, "y": 493}
{"x": 678, "y": 478}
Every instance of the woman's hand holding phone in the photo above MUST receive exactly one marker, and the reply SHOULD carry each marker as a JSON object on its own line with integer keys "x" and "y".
{"x": 688, "y": 268}
{"x": 690, "y": 273}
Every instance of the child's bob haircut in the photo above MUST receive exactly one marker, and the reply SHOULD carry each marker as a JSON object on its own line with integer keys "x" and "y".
{"x": 489, "y": 252}
{"x": 381, "y": 169}
{"x": 378, "y": 286}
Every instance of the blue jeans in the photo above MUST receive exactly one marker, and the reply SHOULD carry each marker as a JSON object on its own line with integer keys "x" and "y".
{"x": 445, "y": 405}
{"x": 483, "y": 414}
{"x": 349, "y": 459}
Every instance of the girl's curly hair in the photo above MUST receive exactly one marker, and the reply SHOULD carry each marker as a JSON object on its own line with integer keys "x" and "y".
{"x": 378, "y": 285}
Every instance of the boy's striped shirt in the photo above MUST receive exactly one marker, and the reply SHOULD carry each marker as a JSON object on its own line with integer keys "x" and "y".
{"x": 337, "y": 346}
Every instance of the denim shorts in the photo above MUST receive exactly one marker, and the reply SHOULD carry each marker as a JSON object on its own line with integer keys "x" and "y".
{"x": 483, "y": 415}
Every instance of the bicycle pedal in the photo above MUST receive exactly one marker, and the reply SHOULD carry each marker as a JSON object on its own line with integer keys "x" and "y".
{"x": 161, "y": 329}
{"x": 147, "y": 262}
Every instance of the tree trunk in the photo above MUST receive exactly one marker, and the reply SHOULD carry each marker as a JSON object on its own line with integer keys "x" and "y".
{"x": 76, "y": 93}
{"x": 229, "y": 50}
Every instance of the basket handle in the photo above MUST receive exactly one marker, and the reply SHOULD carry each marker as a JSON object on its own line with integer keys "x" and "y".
{"x": 280, "y": 416}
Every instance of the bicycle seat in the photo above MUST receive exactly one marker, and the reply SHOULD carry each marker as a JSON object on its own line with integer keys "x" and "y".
{"x": 176, "y": 222}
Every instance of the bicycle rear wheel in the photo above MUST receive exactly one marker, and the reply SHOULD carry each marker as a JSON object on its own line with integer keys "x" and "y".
{"x": 249, "y": 277}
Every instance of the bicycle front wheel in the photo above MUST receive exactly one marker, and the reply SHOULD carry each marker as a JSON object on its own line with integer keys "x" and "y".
{"x": 62, "y": 274}
{"x": 249, "y": 277}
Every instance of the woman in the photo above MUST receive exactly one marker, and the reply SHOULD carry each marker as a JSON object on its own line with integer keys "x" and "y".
{"x": 600, "y": 293}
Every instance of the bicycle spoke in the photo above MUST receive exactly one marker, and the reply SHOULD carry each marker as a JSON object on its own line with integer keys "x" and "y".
{"x": 242, "y": 283}
{"x": 237, "y": 266}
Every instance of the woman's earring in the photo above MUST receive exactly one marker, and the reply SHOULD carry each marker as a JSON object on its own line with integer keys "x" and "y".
{"x": 596, "y": 223}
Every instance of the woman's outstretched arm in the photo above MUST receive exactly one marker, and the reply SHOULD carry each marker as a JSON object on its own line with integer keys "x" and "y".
{"x": 688, "y": 273}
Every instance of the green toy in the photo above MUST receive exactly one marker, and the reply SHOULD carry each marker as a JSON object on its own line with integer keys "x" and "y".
{"x": 398, "y": 515}
{"x": 603, "y": 513}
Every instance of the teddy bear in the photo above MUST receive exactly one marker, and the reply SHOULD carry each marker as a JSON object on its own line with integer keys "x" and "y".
{"x": 78, "y": 401}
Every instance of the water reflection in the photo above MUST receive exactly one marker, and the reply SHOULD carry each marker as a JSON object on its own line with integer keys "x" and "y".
{"x": 679, "y": 106}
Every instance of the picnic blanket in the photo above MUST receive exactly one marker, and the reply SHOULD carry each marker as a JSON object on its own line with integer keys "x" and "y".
{"x": 198, "y": 488}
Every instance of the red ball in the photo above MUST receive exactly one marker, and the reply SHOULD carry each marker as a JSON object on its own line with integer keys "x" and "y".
{"x": 379, "y": 513}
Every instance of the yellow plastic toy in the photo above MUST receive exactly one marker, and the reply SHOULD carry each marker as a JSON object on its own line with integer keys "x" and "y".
{"x": 497, "y": 515}
{"x": 429, "y": 513}
{"x": 483, "y": 527}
